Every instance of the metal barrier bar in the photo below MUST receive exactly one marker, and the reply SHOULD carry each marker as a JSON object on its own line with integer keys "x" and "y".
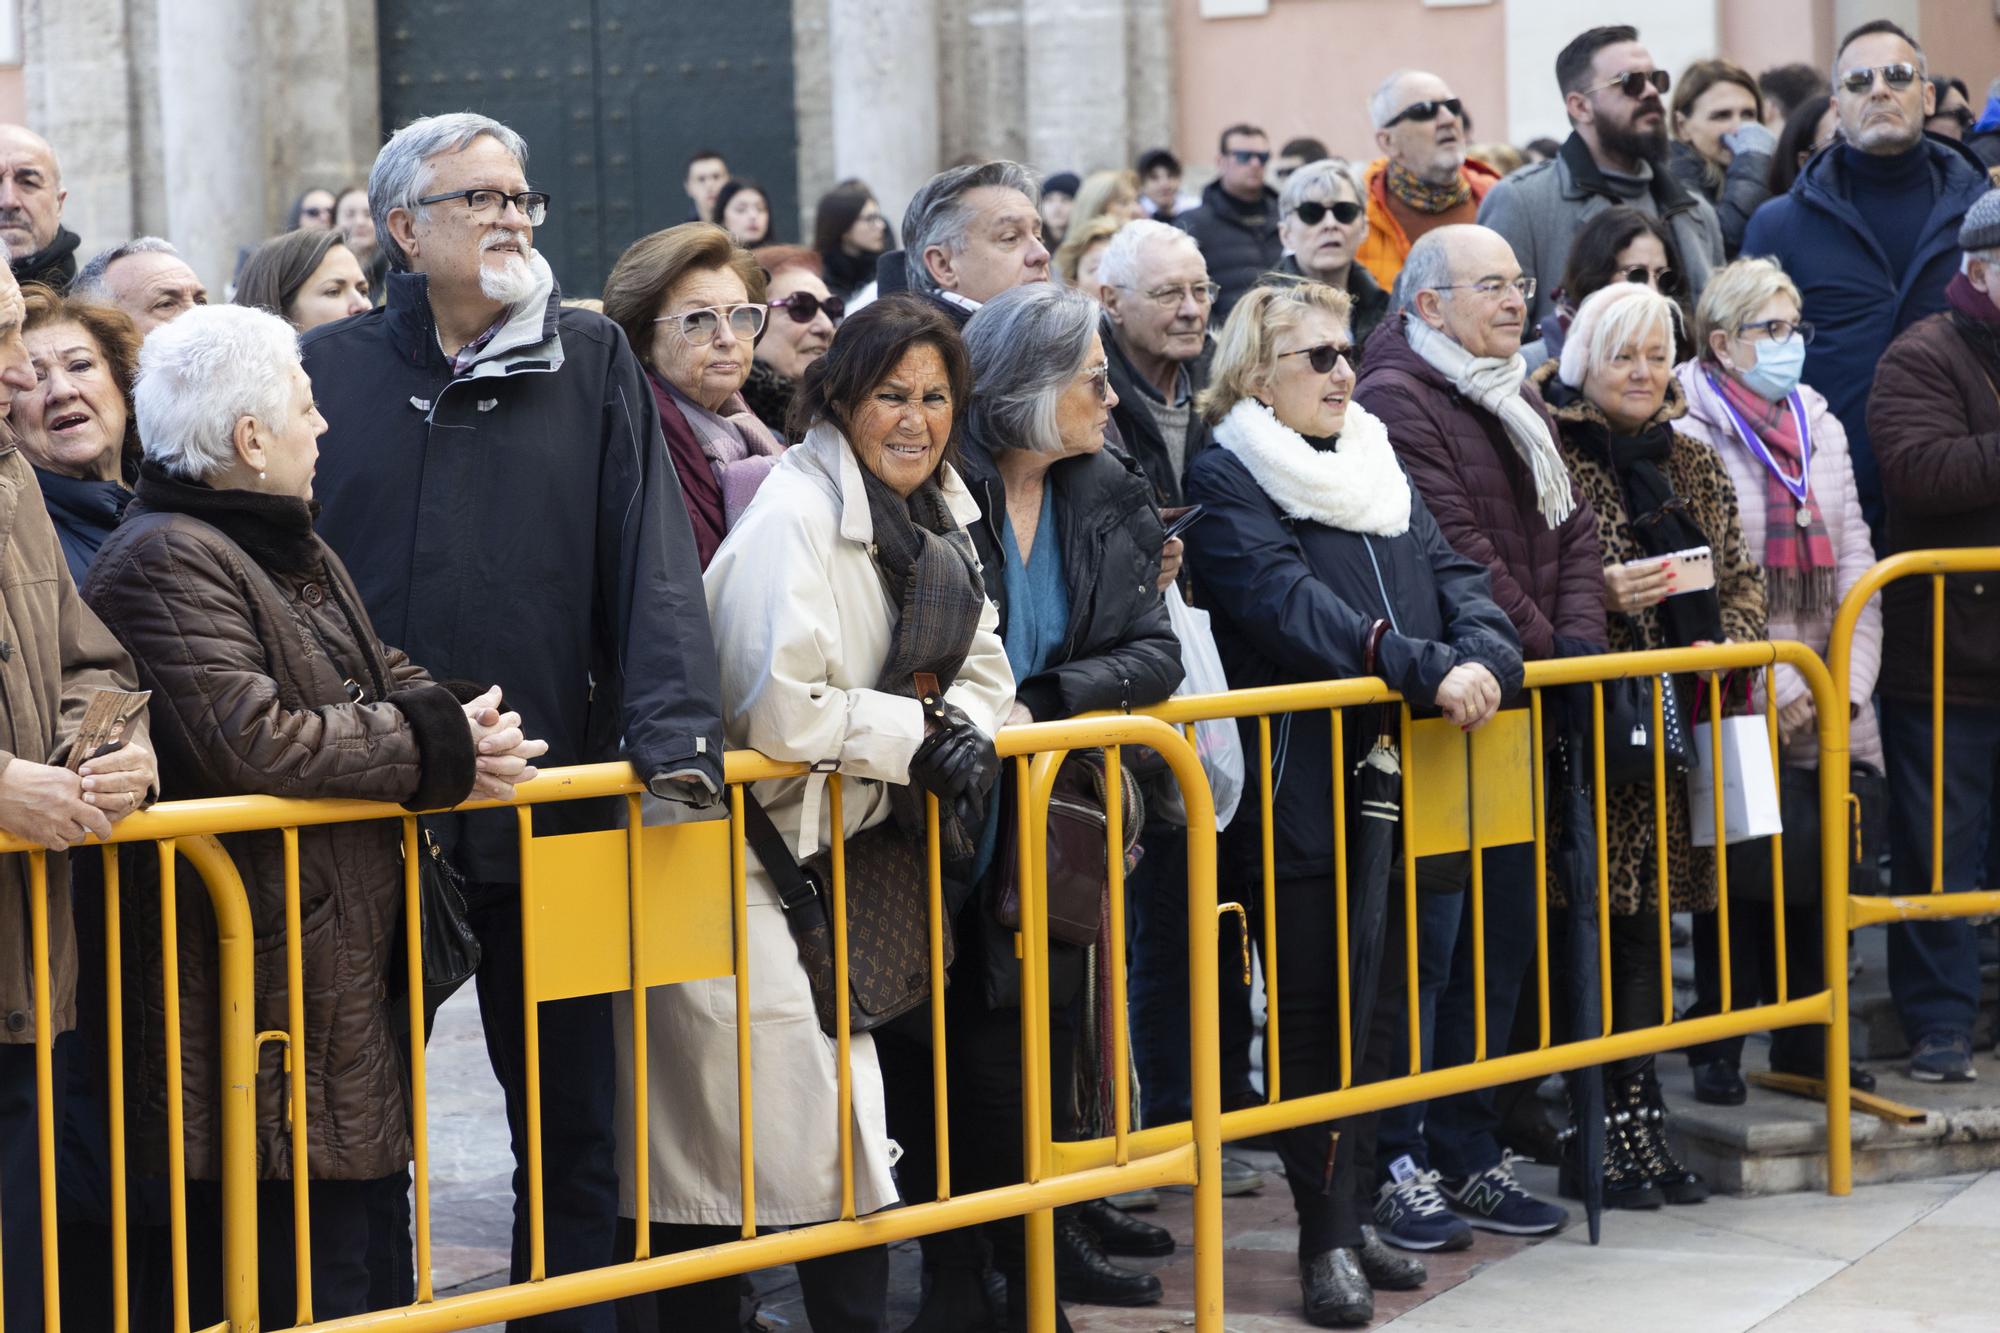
{"x": 739, "y": 909}
{"x": 531, "y": 1028}
{"x": 635, "y": 906}
{"x": 170, "y": 974}
{"x": 114, "y": 1083}
{"x": 1538, "y": 757}
{"x": 1114, "y": 861}
{"x": 1273, "y": 1083}
{"x": 843, "y": 1013}
{"x": 1343, "y": 960}
{"x": 295, "y": 1070}
{"x": 1411, "y": 980}
{"x": 420, "y": 1119}
{"x": 1777, "y": 843}
{"x": 1662, "y": 885}
{"x": 940, "y": 1083}
{"x": 45, "y": 1106}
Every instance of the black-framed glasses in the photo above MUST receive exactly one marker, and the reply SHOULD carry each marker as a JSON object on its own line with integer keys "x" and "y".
{"x": 699, "y": 327}
{"x": 533, "y": 204}
{"x": 1663, "y": 280}
{"x": 1170, "y": 298}
{"x": 1427, "y": 111}
{"x": 1779, "y": 330}
{"x": 1862, "y": 77}
{"x": 804, "y": 307}
{"x": 1492, "y": 287}
{"x": 1312, "y": 213}
{"x": 1323, "y": 357}
{"x": 1245, "y": 156}
{"x": 1634, "y": 82}
{"x": 1099, "y": 379}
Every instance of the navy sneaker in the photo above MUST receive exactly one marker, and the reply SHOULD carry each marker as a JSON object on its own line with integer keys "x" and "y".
{"x": 1411, "y": 1214}
{"x": 1943, "y": 1057}
{"x": 1495, "y": 1201}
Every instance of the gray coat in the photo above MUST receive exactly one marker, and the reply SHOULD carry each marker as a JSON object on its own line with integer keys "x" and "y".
{"x": 1540, "y": 209}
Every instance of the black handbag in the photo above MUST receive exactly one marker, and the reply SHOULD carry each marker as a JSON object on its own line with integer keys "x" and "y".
{"x": 1628, "y": 731}
{"x": 1798, "y": 802}
{"x": 1076, "y": 877}
{"x": 445, "y": 942}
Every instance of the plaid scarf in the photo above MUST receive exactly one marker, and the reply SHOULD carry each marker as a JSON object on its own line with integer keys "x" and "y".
{"x": 932, "y": 575}
{"x": 1799, "y": 571}
{"x": 1423, "y": 196}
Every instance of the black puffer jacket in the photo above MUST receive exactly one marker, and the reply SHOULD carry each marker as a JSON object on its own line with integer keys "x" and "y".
{"x": 1238, "y": 239}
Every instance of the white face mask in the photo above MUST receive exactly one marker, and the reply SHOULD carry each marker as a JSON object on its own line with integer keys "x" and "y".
{"x": 1778, "y": 368}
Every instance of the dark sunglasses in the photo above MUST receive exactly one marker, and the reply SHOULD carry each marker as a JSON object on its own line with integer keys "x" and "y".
{"x": 1665, "y": 281}
{"x": 1426, "y": 111}
{"x": 1312, "y": 213}
{"x": 1245, "y": 156}
{"x": 1635, "y": 82}
{"x": 1324, "y": 357}
{"x": 1860, "y": 79}
{"x": 1961, "y": 117}
{"x": 804, "y": 307}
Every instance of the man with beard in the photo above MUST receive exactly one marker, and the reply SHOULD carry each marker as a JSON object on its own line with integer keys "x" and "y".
{"x": 1617, "y": 154}
{"x": 39, "y": 247}
{"x": 1870, "y": 229}
{"x": 1423, "y": 180}
{"x": 494, "y": 475}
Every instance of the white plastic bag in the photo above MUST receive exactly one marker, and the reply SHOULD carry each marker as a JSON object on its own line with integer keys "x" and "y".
{"x": 1750, "y": 807}
{"x": 1217, "y": 742}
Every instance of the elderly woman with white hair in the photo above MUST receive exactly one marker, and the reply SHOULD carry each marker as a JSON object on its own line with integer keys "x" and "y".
{"x": 1657, "y": 490}
{"x": 1322, "y": 222}
{"x": 1787, "y": 454}
{"x": 268, "y": 679}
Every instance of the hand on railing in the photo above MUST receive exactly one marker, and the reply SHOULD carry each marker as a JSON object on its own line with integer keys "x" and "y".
{"x": 117, "y": 781}
{"x": 504, "y": 754}
{"x": 1468, "y": 695}
{"x": 958, "y": 765}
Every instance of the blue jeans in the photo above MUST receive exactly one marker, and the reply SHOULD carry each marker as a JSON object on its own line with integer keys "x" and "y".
{"x": 1401, "y": 1129}
{"x": 1934, "y": 966}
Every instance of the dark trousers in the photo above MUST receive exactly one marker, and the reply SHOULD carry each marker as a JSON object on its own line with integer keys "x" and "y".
{"x": 844, "y": 1293}
{"x": 1635, "y": 981}
{"x": 340, "y": 1221}
{"x": 1934, "y": 966}
{"x": 21, "y": 1177}
{"x": 579, "y": 1076}
{"x": 1400, "y": 1130}
{"x": 1753, "y": 964}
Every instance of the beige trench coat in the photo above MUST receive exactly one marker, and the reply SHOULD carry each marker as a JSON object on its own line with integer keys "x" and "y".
{"x": 802, "y": 627}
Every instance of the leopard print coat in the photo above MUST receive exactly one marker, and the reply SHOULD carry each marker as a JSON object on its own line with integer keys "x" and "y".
{"x": 1701, "y": 479}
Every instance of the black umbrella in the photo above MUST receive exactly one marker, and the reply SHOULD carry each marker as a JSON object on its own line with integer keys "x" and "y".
{"x": 1375, "y": 809}
{"x": 1569, "y": 801}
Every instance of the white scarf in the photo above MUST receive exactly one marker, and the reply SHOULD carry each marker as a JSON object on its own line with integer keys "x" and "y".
{"x": 1496, "y": 386}
{"x": 1357, "y": 486}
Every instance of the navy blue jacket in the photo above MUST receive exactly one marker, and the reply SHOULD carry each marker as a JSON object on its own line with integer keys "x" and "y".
{"x": 1857, "y": 305}
{"x": 520, "y": 524}
{"x": 1293, "y": 601}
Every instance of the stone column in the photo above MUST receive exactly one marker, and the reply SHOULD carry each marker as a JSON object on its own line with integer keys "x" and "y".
{"x": 78, "y": 68}
{"x": 212, "y": 132}
{"x": 1076, "y": 79}
{"x": 884, "y": 55}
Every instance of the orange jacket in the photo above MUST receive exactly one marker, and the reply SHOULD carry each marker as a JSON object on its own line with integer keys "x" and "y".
{"x": 1386, "y": 246}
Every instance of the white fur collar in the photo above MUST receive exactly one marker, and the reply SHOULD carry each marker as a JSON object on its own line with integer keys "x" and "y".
{"x": 1357, "y": 486}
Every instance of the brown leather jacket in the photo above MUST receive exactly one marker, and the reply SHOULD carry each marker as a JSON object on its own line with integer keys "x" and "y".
{"x": 53, "y": 653}
{"x": 267, "y": 678}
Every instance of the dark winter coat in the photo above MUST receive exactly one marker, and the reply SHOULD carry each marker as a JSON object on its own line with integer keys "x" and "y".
{"x": 1857, "y": 305}
{"x": 1293, "y": 601}
{"x": 520, "y": 525}
{"x": 1743, "y": 191}
{"x": 1239, "y": 241}
{"x": 1367, "y": 302}
{"x": 1935, "y": 420}
{"x": 249, "y": 634}
{"x": 1138, "y": 431}
{"x": 1549, "y": 581}
{"x": 1701, "y": 481}
{"x": 54, "y": 265}
{"x": 84, "y": 512}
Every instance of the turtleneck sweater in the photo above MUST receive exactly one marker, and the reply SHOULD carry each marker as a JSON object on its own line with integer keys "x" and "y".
{"x": 1893, "y": 194}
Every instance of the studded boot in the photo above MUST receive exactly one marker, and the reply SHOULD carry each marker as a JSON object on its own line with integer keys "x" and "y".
{"x": 1676, "y": 1183}
{"x": 1626, "y": 1183}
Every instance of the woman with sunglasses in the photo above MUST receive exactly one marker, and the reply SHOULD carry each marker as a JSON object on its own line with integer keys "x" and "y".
{"x": 1323, "y": 224}
{"x": 1722, "y": 150}
{"x": 692, "y": 302}
{"x": 1618, "y": 245}
{"x": 1319, "y": 560}
{"x": 1802, "y": 523}
{"x": 803, "y": 317}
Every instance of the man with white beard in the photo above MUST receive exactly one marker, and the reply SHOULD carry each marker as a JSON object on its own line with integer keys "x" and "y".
{"x": 494, "y": 475}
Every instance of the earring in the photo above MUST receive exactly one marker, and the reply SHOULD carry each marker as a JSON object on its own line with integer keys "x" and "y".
{"x": 263, "y": 476}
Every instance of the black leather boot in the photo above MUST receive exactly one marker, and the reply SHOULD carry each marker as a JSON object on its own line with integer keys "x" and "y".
{"x": 1118, "y": 1232}
{"x": 1676, "y": 1183}
{"x": 1084, "y": 1276}
{"x": 1336, "y": 1291}
{"x": 1626, "y": 1185}
{"x": 1387, "y": 1269}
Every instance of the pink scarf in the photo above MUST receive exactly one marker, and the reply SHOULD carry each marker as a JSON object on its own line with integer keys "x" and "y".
{"x": 1799, "y": 569}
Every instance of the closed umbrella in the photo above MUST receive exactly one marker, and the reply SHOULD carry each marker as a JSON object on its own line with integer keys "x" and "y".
{"x": 1576, "y": 873}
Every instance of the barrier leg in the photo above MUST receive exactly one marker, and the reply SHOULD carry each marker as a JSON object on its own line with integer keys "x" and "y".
{"x": 1839, "y": 1149}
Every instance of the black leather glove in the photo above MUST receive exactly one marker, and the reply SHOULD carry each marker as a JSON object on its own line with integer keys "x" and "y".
{"x": 959, "y": 766}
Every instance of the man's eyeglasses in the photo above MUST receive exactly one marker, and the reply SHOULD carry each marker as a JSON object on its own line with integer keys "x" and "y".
{"x": 1489, "y": 288}
{"x": 1312, "y": 213}
{"x": 804, "y": 307}
{"x": 1633, "y": 83}
{"x": 699, "y": 327}
{"x": 533, "y": 204}
{"x": 1245, "y": 156}
{"x": 1170, "y": 298}
{"x": 1862, "y": 78}
{"x": 1662, "y": 280}
{"x": 1426, "y": 111}
{"x": 1099, "y": 379}
{"x": 1779, "y": 330}
{"x": 1323, "y": 357}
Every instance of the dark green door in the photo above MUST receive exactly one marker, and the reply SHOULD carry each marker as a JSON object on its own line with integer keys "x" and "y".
{"x": 612, "y": 96}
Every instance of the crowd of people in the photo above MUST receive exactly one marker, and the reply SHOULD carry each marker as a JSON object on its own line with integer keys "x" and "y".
{"x": 401, "y": 523}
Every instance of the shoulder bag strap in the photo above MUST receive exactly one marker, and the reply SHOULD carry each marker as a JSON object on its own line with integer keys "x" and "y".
{"x": 795, "y": 887}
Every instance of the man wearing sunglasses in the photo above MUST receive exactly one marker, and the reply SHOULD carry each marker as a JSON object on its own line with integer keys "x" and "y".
{"x": 1237, "y": 223}
{"x": 1616, "y": 154}
{"x": 1870, "y": 229}
{"x": 1424, "y": 179}
{"x": 494, "y": 475}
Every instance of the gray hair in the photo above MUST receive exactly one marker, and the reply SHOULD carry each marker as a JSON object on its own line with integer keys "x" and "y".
{"x": 201, "y": 374}
{"x": 1314, "y": 179}
{"x": 1382, "y": 102}
{"x": 403, "y": 168}
{"x": 1026, "y": 346}
{"x": 88, "y": 284}
{"x": 1120, "y": 265}
{"x": 938, "y": 215}
{"x": 1428, "y": 268}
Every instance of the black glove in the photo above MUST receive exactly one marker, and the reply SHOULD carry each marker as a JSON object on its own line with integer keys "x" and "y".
{"x": 959, "y": 766}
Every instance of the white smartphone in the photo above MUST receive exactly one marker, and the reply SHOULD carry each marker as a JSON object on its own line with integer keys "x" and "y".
{"x": 1694, "y": 569}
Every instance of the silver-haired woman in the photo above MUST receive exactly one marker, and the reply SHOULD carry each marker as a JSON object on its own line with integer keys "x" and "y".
{"x": 1322, "y": 222}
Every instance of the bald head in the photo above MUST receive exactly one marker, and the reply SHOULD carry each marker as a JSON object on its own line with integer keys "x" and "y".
{"x": 31, "y": 193}
{"x": 1441, "y": 284}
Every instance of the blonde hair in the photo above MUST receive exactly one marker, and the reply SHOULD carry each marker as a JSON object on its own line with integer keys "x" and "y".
{"x": 1077, "y": 241}
{"x": 1625, "y": 314}
{"x": 1734, "y": 294}
{"x": 1246, "y": 350}
{"x": 1100, "y": 190}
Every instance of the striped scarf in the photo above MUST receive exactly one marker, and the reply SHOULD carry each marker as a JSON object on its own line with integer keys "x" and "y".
{"x": 1799, "y": 567}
